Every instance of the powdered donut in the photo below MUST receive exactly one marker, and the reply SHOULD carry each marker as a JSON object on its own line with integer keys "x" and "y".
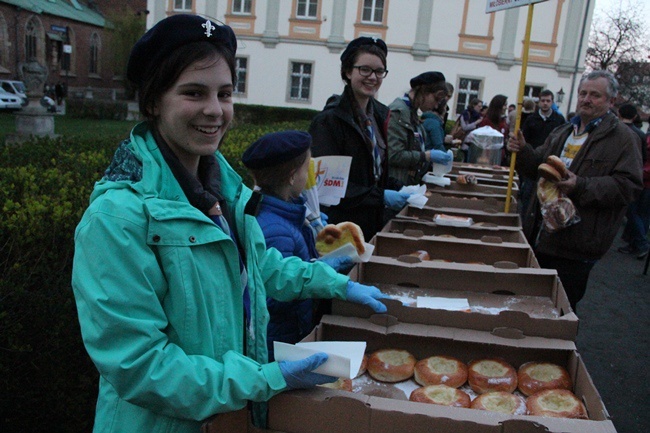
{"x": 533, "y": 377}
{"x": 440, "y": 370}
{"x": 492, "y": 374}
{"x": 441, "y": 394}
{"x": 391, "y": 365}
{"x": 502, "y": 402}
{"x": 341, "y": 384}
{"x": 558, "y": 403}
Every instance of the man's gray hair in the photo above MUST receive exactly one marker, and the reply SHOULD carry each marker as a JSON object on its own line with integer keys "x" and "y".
{"x": 612, "y": 82}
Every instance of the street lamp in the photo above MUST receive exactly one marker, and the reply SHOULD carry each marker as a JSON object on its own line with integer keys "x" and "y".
{"x": 560, "y": 96}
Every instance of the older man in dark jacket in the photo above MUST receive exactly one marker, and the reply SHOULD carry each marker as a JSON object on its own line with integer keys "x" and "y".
{"x": 604, "y": 175}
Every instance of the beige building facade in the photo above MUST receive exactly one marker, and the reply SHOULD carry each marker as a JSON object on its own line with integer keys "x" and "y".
{"x": 289, "y": 50}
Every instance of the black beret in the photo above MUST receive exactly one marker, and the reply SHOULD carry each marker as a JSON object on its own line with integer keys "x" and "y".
{"x": 359, "y": 42}
{"x": 276, "y": 148}
{"x": 171, "y": 33}
{"x": 431, "y": 77}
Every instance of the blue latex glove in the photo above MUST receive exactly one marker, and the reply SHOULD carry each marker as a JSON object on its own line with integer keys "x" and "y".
{"x": 440, "y": 157}
{"x": 324, "y": 218}
{"x": 299, "y": 374}
{"x": 340, "y": 264}
{"x": 394, "y": 199}
{"x": 366, "y": 295}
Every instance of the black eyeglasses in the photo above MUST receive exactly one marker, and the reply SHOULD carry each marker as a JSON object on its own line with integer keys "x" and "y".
{"x": 366, "y": 71}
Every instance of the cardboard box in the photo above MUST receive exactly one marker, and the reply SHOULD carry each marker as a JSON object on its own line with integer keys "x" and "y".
{"x": 481, "y": 218}
{"x": 480, "y": 169}
{"x": 486, "y": 234}
{"x": 485, "y": 204}
{"x": 485, "y": 179}
{"x": 322, "y": 410}
{"x": 471, "y": 251}
{"x": 525, "y": 301}
{"x": 457, "y": 190}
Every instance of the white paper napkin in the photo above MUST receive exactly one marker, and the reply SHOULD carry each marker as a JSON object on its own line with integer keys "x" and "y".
{"x": 344, "y": 357}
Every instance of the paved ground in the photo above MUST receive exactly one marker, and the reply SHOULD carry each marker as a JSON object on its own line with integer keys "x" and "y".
{"x": 613, "y": 338}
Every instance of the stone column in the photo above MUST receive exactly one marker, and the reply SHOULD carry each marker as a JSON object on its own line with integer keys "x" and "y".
{"x": 570, "y": 42}
{"x": 506, "y": 56}
{"x": 420, "y": 49}
{"x": 336, "y": 39}
{"x": 271, "y": 37}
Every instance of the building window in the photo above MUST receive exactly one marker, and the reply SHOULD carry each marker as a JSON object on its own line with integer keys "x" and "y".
{"x": 182, "y": 5}
{"x": 307, "y": 9}
{"x": 532, "y": 92}
{"x": 241, "y": 71}
{"x": 468, "y": 89}
{"x": 31, "y": 42}
{"x": 300, "y": 81}
{"x": 373, "y": 11}
{"x": 4, "y": 43}
{"x": 241, "y": 7}
{"x": 94, "y": 54}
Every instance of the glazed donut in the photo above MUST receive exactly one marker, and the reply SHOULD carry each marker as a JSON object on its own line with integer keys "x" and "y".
{"x": 491, "y": 374}
{"x": 558, "y": 403}
{"x": 341, "y": 384}
{"x": 558, "y": 165}
{"x": 502, "y": 402}
{"x": 441, "y": 394}
{"x": 440, "y": 370}
{"x": 533, "y": 377}
{"x": 391, "y": 365}
{"x": 420, "y": 254}
{"x": 364, "y": 365}
{"x": 333, "y": 237}
{"x": 548, "y": 172}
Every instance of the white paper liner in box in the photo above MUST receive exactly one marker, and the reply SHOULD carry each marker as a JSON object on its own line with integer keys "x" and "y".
{"x": 442, "y": 221}
{"x": 437, "y": 303}
{"x": 350, "y": 251}
{"x": 344, "y": 357}
{"x": 436, "y": 180}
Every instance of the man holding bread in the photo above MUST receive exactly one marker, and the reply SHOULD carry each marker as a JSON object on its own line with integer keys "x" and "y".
{"x": 602, "y": 176}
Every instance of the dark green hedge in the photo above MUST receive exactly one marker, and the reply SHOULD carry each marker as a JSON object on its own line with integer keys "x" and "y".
{"x": 48, "y": 382}
{"x": 96, "y": 109}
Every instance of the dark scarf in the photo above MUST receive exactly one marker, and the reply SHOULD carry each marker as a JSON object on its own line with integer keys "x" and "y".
{"x": 203, "y": 193}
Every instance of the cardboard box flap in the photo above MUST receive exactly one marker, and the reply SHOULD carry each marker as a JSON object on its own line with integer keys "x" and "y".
{"x": 392, "y": 326}
{"x": 505, "y": 255}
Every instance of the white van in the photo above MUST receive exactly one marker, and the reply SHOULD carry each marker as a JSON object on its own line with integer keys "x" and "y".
{"x": 17, "y": 88}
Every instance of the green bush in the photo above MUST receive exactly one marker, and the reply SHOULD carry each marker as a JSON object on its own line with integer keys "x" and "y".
{"x": 97, "y": 109}
{"x": 48, "y": 382}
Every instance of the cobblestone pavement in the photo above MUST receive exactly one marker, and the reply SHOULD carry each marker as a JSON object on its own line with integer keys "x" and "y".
{"x": 613, "y": 337}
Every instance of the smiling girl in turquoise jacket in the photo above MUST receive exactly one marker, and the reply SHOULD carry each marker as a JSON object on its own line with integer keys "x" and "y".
{"x": 171, "y": 272}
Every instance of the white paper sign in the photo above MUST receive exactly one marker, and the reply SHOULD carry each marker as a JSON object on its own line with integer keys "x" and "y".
{"x": 332, "y": 178}
{"x": 344, "y": 357}
{"x": 497, "y": 5}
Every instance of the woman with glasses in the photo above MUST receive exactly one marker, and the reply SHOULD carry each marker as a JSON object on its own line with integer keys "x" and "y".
{"x": 354, "y": 124}
{"x": 408, "y": 157}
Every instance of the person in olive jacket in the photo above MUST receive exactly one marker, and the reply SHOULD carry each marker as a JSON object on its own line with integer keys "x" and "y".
{"x": 603, "y": 158}
{"x": 171, "y": 272}
{"x": 355, "y": 124}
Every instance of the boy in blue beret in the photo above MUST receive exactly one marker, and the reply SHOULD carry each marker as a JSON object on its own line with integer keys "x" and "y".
{"x": 279, "y": 163}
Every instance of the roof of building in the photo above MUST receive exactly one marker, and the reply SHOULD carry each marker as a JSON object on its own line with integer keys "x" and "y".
{"x": 70, "y": 9}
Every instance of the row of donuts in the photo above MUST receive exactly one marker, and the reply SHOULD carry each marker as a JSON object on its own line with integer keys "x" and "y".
{"x": 547, "y": 385}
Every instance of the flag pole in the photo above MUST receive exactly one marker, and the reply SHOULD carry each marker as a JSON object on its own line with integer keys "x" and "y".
{"x": 520, "y": 98}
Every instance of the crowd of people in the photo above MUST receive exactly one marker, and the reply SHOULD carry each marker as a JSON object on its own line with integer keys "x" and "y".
{"x": 184, "y": 277}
